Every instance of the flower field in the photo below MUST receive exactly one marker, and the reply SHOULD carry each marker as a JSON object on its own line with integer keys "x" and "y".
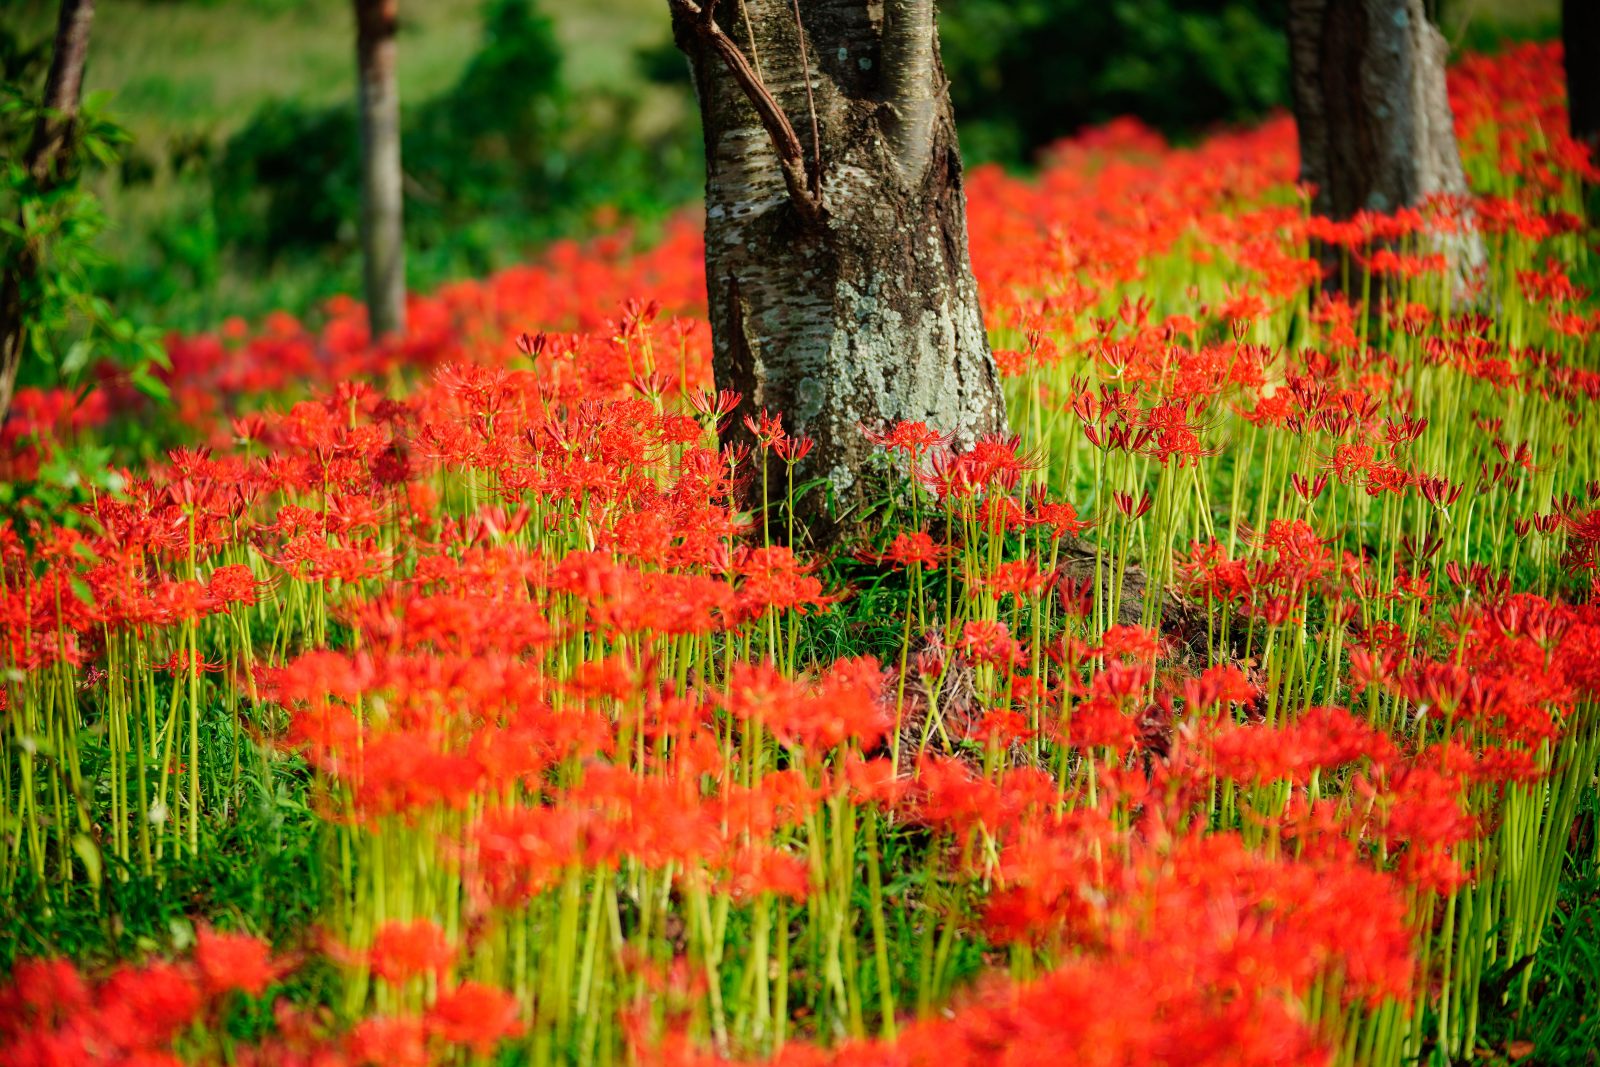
{"x": 453, "y": 701}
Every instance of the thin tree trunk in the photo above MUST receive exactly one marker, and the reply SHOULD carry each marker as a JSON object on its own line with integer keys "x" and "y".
{"x": 46, "y": 162}
{"x": 1580, "y": 40}
{"x": 1376, "y": 130}
{"x": 841, "y": 293}
{"x": 382, "y": 234}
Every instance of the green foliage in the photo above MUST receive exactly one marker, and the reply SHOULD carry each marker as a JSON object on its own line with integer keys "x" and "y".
{"x": 506, "y": 158}
{"x": 49, "y": 235}
{"x": 1563, "y": 978}
{"x": 258, "y": 870}
{"x": 1025, "y": 72}
{"x": 21, "y": 63}
{"x": 288, "y": 179}
{"x": 1477, "y": 32}
{"x": 69, "y": 477}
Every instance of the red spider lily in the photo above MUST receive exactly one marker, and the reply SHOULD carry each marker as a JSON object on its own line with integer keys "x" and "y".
{"x": 183, "y": 662}
{"x": 1217, "y": 685}
{"x": 1308, "y": 489}
{"x": 1128, "y": 506}
{"x": 715, "y": 405}
{"x": 1131, "y": 643}
{"x": 794, "y": 449}
{"x": 767, "y": 429}
{"x": 401, "y": 951}
{"x": 388, "y": 1041}
{"x": 233, "y": 961}
{"x": 912, "y": 439}
{"x": 232, "y": 584}
{"x": 1321, "y": 739}
{"x": 548, "y": 688}
{"x": 914, "y": 550}
{"x": 1021, "y": 579}
{"x": 991, "y": 643}
{"x": 1060, "y": 518}
{"x": 773, "y": 578}
{"x": 474, "y": 1015}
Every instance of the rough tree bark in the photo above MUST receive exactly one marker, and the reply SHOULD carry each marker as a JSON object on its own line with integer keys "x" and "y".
{"x": 841, "y": 293}
{"x": 46, "y": 161}
{"x": 1376, "y": 129}
{"x": 382, "y": 234}
{"x": 1580, "y": 40}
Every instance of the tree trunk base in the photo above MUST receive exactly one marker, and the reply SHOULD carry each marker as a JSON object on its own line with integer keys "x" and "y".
{"x": 852, "y": 303}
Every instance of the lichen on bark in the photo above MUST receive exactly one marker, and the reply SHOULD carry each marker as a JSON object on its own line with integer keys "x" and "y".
{"x": 859, "y": 307}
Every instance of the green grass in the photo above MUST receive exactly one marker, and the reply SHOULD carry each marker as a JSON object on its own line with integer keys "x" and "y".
{"x": 181, "y": 67}
{"x": 185, "y": 75}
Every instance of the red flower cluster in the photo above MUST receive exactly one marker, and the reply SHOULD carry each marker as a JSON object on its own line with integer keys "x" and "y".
{"x": 1224, "y": 686}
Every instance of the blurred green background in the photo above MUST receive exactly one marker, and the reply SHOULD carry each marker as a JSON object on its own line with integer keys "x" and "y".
{"x": 529, "y": 120}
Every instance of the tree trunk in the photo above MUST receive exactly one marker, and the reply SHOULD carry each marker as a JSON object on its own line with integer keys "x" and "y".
{"x": 1580, "y": 40}
{"x": 1376, "y": 130}
{"x": 46, "y": 162}
{"x": 382, "y": 236}
{"x": 841, "y": 293}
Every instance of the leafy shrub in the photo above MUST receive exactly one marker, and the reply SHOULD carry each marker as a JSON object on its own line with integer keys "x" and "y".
{"x": 505, "y": 158}
{"x": 71, "y": 328}
{"x": 1025, "y": 72}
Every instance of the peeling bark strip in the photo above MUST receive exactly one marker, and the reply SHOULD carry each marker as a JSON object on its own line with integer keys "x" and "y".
{"x": 840, "y": 286}
{"x": 382, "y": 233}
{"x": 46, "y": 163}
{"x": 1376, "y": 129}
{"x": 804, "y": 187}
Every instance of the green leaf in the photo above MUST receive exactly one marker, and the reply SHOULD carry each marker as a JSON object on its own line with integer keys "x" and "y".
{"x": 103, "y": 153}
{"x": 148, "y": 384}
{"x": 155, "y": 352}
{"x": 805, "y": 487}
{"x": 182, "y": 933}
{"x": 76, "y": 359}
{"x": 89, "y": 853}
